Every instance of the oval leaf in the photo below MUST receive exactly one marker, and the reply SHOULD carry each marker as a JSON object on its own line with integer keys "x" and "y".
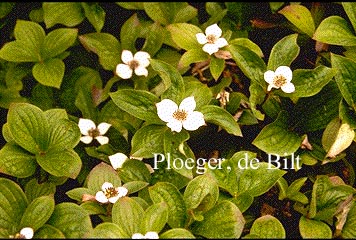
{"x": 66, "y": 13}
{"x": 50, "y": 72}
{"x": 267, "y": 227}
{"x": 310, "y": 228}
{"x": 58, "y": 41}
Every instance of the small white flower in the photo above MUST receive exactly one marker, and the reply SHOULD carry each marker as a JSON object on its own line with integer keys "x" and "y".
{"x": 90, "y": 131}
{"x": 212, "y": 39}
{"x": 117, "y": 160}
{"x": 182, "y": 116}
{"x": 148, "y": 235}
{"x": 281, "y": 78}
{"x": 109, "y": 193}
{"x": 137, "y": 63}
{"x": 26, "y": 233}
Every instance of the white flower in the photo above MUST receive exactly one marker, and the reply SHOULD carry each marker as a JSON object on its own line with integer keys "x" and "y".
{"x": 137, "y": 63}
{"x": 90, "y": 131}
{"x": 117, "y": 160}
{"x": 182, "y": 116}
{"x": 212, "y": 39}
{"x": 109, "y": 193}
{"x": 26, "y": 233}
{"x": 148, "y": 235}
{"x": 281, "y": 78}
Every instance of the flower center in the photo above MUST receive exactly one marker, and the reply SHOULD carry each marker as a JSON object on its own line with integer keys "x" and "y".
{"x": 279, "y": 80}
{"x": 94, "y": 132}
{"x": 180, "y": 115}
{"x": 110, "y": 192}
{"x": 133, "y": 64}
{"x": 211, "y": 38}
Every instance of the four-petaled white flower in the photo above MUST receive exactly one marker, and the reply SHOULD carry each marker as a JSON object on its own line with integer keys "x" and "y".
{"x": 212, "y": 39}
{"x": 182, "y": 116}
{"x": 281, "y": 78}
{"x": 91, "y": 131}
{"x": 148, "y": 235}
{"x": 117, "y": 160}
{"x": 109, "y": 193}
{"x": 133, "y": 63}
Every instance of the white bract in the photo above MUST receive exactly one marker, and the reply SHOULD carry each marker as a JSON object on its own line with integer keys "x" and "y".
{"x": 26, "y": 233}
{"x": 281, "y": 78}
{"x": 91, "y": 131}
{"x": 109, "y": 193}
{"x": 133, "y": 63}
{"x": 212, "y": 39}
{"x": 148, "y": 235}
{"x": 117, "y": 160}
{"x": 182, "y": 116}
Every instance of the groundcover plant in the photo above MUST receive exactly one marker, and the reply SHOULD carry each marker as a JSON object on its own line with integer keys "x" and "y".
{"x": 177, "y": 120}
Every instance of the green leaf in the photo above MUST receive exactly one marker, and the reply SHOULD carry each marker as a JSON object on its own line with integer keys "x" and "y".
{"x": 245, "y": 42}
{"x": 309, "y": 82}
{"x": 172, "y": 80}
{"x": 192, "y": 56}
{"x": 105, "y": 45}
{"x": 315, "y": 112}
{"x": 33, "y": 189}
{"x": 310, "y": 228}
{"x": 109, "y": 230}
{"x": 139, "y": 103}
{"x": 276, "y": 139}
{"x": 65, "y": 163}
{"x": 267, "y": 226}
{"x": 102, "y": 173}
{"x": 347, "y": 114}
{"x": 72, "y": 220}
{"x": 344, "y": 78}
{"x": 350, "y": 9}
{"x": 28, "y": 126}
{"x": 183, "y": 34}
{"x": 174, "y": 149}
{"x": 134, "y": 170}
{"x": 13, "y": 203}
{"x": 249, "y": 62}
{"x": 335, "y": 30}
{"x": 54, "y": 115}
{"x": 216, "y": 66}
{"x": 284, "y": 52}
{"x": 299, "y": 16}
{"x": 154, "y": 39}
{"x": 168, "y": 193}
{"x": 258, "y": 180}
{"x": 156, "y": 217}
{"x": 242, "y": 201}
{"x": 201, "y": 193}
{"x": 222, "y": 118}
{"x": 57, "y": 41}
{"x": 38, "y": 212}
{"x": 337, "y": 137}
{"x": 201, "y": 92}
{"x": 64, "y": 134}
{"x": 147, "y": 141}
{"x": 50, "y": 72}
{"x": 30, "y": 33}
{"x": 135, "y": 186}
{"x": 77, "y": 193}
{"x": 127, "y": 214}
{"x": 48, "y": 231}
{"x": 131, "y": 5}
{"x": 5, "y": 8}
{"x": 95, "y": 15}
{"x": 18, "y": 51}
{"x": 349, "y": 231}
{"x": 179, "y": 233}
{"x": 129, "y": 33}
{"x": 169, "y": 12}
{"x": 225, "y": 220}
{"x": 66, "y": 13}
{"x": 17, "y": 162}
